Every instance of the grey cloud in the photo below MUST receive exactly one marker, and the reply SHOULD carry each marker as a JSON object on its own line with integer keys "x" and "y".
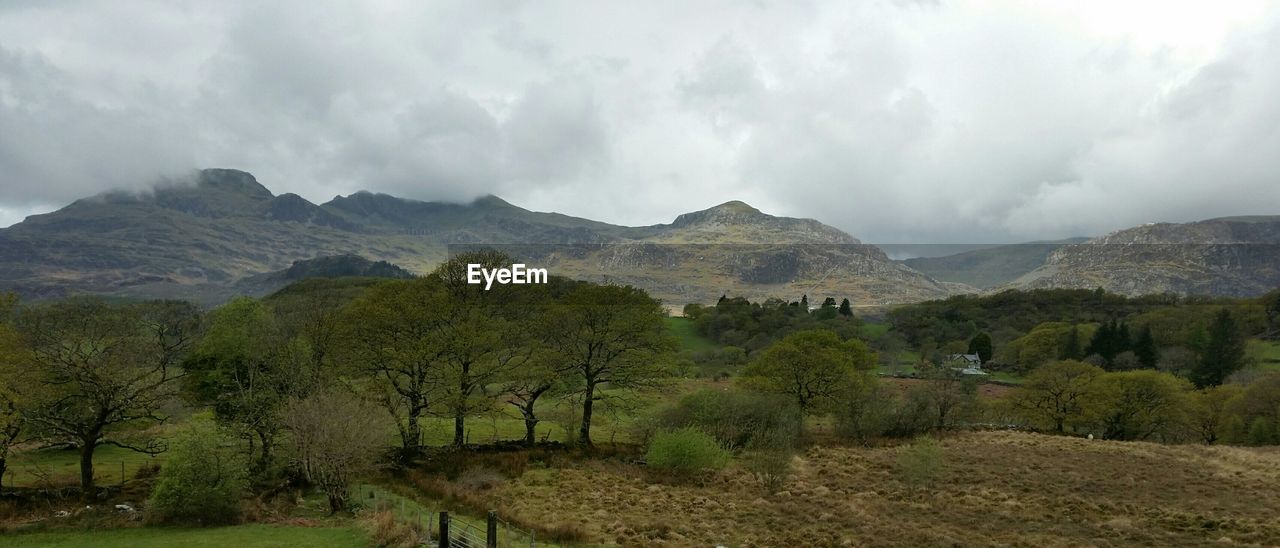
{"x": 893, "y": 120}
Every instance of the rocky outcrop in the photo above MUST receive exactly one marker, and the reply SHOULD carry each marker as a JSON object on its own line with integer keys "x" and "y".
{"x": 1231, "y": 256}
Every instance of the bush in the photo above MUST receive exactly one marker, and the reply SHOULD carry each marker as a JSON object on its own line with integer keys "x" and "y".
{"x": 686, "y": 452}
{"x": 868, "y": 413}
{"x": 736, "y": 418}
{"x": 203, "y": 479}
{"x": 1260, "y": 432}
{"x": 921, "y": 463}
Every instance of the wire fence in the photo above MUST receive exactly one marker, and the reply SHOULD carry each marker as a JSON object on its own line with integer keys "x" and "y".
{"x": 462, "y": 531}
{"x": 43, "y": 475}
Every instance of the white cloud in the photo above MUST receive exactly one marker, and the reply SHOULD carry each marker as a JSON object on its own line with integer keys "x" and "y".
{"x": 896, "y": 121}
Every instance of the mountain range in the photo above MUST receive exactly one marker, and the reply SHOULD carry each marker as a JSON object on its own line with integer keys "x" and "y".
{"x": 223, "y": 233}
{"x": 217, "y": 234}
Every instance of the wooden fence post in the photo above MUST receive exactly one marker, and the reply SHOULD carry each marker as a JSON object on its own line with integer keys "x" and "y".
{"x": 444, "y": 529}
{"x": 491, "y": 532}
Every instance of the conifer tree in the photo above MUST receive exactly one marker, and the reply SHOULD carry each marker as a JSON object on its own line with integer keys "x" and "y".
{"x": 1222, "y": 355}
{"x": 1144, "y": 347}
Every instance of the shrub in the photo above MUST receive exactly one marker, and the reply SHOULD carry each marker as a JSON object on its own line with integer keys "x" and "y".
{"x": 1260, "y": 432}
{"x": 770, "y": 459}
{"x": 868, "y": 413}
{"x": 737, "y": 417}
{"x": 203, "y": 479}
{"x": 389, "y": 532}
{"x": 686, "y": 452}
{"x": 921, "y": 463}
{"x": 480, "y": 479}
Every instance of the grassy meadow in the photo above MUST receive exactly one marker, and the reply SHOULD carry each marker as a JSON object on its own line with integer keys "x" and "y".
{"x": 1006, "y": 488}
{"x": 241, "y": 536}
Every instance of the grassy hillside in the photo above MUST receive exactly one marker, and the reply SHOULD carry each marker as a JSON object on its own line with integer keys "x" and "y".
{"x": 688, "y": 337}
{"x": 990, "y": 267}
{"x": 997, "y": 487}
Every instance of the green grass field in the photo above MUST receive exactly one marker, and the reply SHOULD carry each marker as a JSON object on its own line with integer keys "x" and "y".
{"x": 241, "y": 536}
{"x": 62, "y": 466}
{"x": 1265, "y": 353}
{"x": 689, "y": 339}
{"x": 874, "y": 330}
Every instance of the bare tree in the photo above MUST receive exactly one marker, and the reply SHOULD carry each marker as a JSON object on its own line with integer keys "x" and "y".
{"x": 14, "y": 381}
{"x": 103, "y": 367}
{"x": 336, "y": 438}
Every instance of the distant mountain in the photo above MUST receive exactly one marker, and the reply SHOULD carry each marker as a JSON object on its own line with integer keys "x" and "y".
{"x": 1230, "y": 256}
{"x": 224, "y": 233}
{"x": 338, "y": 266}
{"x": 991, "y": 266}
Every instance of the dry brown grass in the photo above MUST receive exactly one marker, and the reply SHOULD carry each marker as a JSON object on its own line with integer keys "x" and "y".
{"x": 998, "y": 488}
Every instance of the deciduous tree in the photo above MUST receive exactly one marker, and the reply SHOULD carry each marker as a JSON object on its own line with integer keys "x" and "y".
{"x": 812, "y": 367}
{"x": 608, "y": 334}
{"x": 104, "y": 367}
{"x": 1056, "y": 394}
{"x": 335, "y": 439}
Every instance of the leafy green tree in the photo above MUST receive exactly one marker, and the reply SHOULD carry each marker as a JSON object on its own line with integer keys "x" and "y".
{"x": 845, "y": 309}
{"x": 1057, "y": 394}
{"x": 241, "y": 368}
{"x": 1137, "y": 405}
{"x": 814, "y": 368}
{"x": 1259, "y": 399}
{"x": 1211, "y": 411}
{"x": 392, "y": 337}
{"x": 980, "y": 344}
{"x": 1222, "y": 355}
{"x": 608, "y": 334}
{"x": 1070, "y": 347}
{"x": 202, "y": 481}
{"x": 485, "y": 337}
{"x": 1144, "y": 347}
{"x": 103, "y": 368}
{"x": 828, "y": 310}
{"x": 1041, "y": 345}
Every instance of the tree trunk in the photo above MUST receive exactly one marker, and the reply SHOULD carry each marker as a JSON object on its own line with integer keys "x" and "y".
{"x": 264, "y": 460}
{"x": 413, "y": 437}
{"x": 459, "y": 428}
{"x": 530, "y": 425}
{"x": 3, "y": 467}
{"x": 86, "y": 468}
{"x": 584, "y": 433}
{"x": 337, "y": 503}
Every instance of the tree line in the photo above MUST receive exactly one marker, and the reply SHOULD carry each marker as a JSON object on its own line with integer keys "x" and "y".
{"x": 84, "y": 372}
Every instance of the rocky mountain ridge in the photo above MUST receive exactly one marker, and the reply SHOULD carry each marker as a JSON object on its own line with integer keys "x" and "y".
{"x": 1229, "y": 256}
{"x": 200, "y": 240}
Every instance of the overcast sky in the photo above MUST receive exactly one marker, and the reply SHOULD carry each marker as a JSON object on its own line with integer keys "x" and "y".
{"x": 897, "y": 121}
